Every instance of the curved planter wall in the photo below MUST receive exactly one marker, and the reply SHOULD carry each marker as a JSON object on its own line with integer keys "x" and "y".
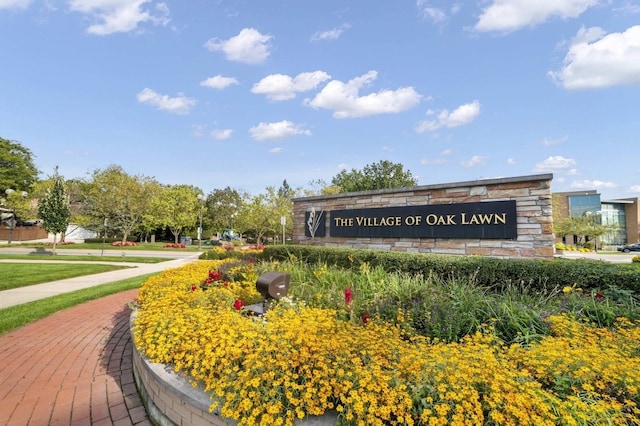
{"x": 171, "y": 400}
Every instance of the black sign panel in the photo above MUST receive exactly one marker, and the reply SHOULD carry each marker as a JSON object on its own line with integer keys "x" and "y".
{"x": 488, "y": 220}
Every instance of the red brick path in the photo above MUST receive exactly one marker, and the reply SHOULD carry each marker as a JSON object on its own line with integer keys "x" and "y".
{"x": 72, "y": 368}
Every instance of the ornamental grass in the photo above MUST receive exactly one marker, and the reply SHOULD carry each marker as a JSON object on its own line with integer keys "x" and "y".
{"x": 369, "y": 346}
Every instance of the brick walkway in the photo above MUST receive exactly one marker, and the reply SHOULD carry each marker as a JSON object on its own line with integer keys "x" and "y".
{"x": 72, "y": 368}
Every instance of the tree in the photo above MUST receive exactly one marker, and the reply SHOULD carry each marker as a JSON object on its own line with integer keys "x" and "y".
{"x": 381, "y": 175}
{"x": 17, "y": 170}
{"x": 254, "y": 216}
{"x": 220, "y": 207}
{"x": 177, "y": 207}
{"x": 118, "y": 198}
{"x": 321, "y": 187}
{"x": 54, "y": 209}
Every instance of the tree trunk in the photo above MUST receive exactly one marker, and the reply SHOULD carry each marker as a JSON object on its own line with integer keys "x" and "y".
{"x": 53, "y": 250}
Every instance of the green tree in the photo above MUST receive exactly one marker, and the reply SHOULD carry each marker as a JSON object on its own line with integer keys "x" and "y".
{"x": 221, "y": 206}
{"x": 17, "y": 170}
{"x": 321, "y": 187}
{"x": 254, "y": 216}
{"x": 177, "y": 207}
{"x": 54, "y": 208}
{"x": 120, "y": 199}
{"x": 381, "y": 175}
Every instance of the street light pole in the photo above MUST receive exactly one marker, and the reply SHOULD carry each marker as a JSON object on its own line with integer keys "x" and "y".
{"x": 201, "y": 198}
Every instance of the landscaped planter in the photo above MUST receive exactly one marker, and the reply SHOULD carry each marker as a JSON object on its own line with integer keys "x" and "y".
{"x": 170, "y": 399}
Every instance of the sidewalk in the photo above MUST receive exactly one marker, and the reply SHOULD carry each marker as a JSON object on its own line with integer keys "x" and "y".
{"x": 30, "y": 293}
{"x": 74, "y": 367}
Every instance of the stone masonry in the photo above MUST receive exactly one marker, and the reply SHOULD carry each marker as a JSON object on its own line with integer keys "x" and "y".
{"x": 533, "y": 213}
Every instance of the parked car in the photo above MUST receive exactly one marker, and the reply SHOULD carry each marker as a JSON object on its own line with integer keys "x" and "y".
{"x": 629, "y": 247}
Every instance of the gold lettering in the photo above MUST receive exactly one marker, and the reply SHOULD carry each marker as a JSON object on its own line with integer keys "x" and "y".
{"x": 484, "y": 219}
{"x": 341, "y": 221}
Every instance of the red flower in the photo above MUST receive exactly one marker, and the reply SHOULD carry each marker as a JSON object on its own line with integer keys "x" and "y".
{"x": 193, "y": 287}
{"x": 348, "y": 296}
{"x": 599, "y": 296}
{"x": 365, "y": 318}
{"x": 238, "y": 304}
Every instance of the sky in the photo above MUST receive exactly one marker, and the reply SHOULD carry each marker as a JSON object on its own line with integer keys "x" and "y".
{"x": 249, "y": 93}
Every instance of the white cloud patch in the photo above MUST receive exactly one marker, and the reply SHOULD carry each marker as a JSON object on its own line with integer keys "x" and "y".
{"x": 476, "y": 160}
{"x": 462, "y": 115}
{"x": 552, "y": 142}
{"x": 219, "y": 82}
{"x": 429, "y": 11}
{"x": 345, "y": 101}
{"x": 554, "y": 163}
{"x": 116, "y": 16}
{"x": 249, "y": 46}
{"x": 330, "y": 35}
{"x": 635, "y": 188}
{"x": 276, "y": 131}
{"x": 511, "y": 161}
{"x": 512, "y": 15}
{"x": 591, "y": 184}
{"x": 276, "y": 150}
{"x": 221, "y": 134}
{"x": 14, "y": 4}
{"x": 596, "y": 60}
{"x": 176, "y": 105}
{"x": 280, "y": 87}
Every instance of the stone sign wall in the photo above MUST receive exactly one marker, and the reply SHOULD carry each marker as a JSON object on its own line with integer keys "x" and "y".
{"x": 507, "y": 217}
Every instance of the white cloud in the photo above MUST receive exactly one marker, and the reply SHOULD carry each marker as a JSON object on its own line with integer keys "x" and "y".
{"x": 276, "y": 150}
{"x": 429, "y": 162}
{"x": 554, "y": 163}
{"x": 635, "y": 188}
{"x": 592, "y": 184}
{"x": 219, "y": 82}
{"x": 596, "y": 60}
{"x": 345, "y": 101}
{"x": 462, "y": 115}
{"x": 280, "y": 130}
{"x": 280, "y": 87}
{"x": 512, "y": 15}
{"x": 221, "y": 134}
{"x": 115, "y": 16}
{"x": 14, "y": 4}
{"x": 551, "y": 142}
{"x": 177, "y": 105}
{"x": 332, "y": 34}
{"x": 476, "y": 160}
{"x": 249, "y": 46}
{"x": 427, "y": 10}
{"x": 511, "y": 161}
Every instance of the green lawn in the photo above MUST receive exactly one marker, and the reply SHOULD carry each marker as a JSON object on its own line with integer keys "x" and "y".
{"x": 16, "y": 275}
{"x": 84, "y": 258}
{"x": 108, "y": 247}
{"x": 16, "y": 316}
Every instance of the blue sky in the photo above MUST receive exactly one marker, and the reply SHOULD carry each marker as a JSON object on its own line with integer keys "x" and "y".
{"x": 248, "y": 93}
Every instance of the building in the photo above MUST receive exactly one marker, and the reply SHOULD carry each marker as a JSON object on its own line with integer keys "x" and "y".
{"x": 623, "y": 214}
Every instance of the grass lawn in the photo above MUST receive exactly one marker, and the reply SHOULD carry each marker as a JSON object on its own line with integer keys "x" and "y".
{"x": 16, "y": 275}
{"x": 109, "y": 247}
{"x": 16, "y": 316}
{"x": 84, "y": 258}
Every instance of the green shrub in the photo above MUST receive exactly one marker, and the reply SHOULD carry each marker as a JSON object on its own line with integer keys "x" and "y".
{"x": 494, "y": 273}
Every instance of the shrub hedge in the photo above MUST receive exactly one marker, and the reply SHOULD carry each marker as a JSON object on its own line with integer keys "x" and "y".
{"x": 495, "y": 273}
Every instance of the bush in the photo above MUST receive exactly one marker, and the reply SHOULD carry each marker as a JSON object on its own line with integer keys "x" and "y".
{"x": 174, "y": 245}
{"x": 490, "y": 272}
{"x": 635, "y": 259}
{"x": 125, "y": 244}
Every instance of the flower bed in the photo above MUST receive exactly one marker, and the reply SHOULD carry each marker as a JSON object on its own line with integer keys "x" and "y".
{"x": 300, "y": 360}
